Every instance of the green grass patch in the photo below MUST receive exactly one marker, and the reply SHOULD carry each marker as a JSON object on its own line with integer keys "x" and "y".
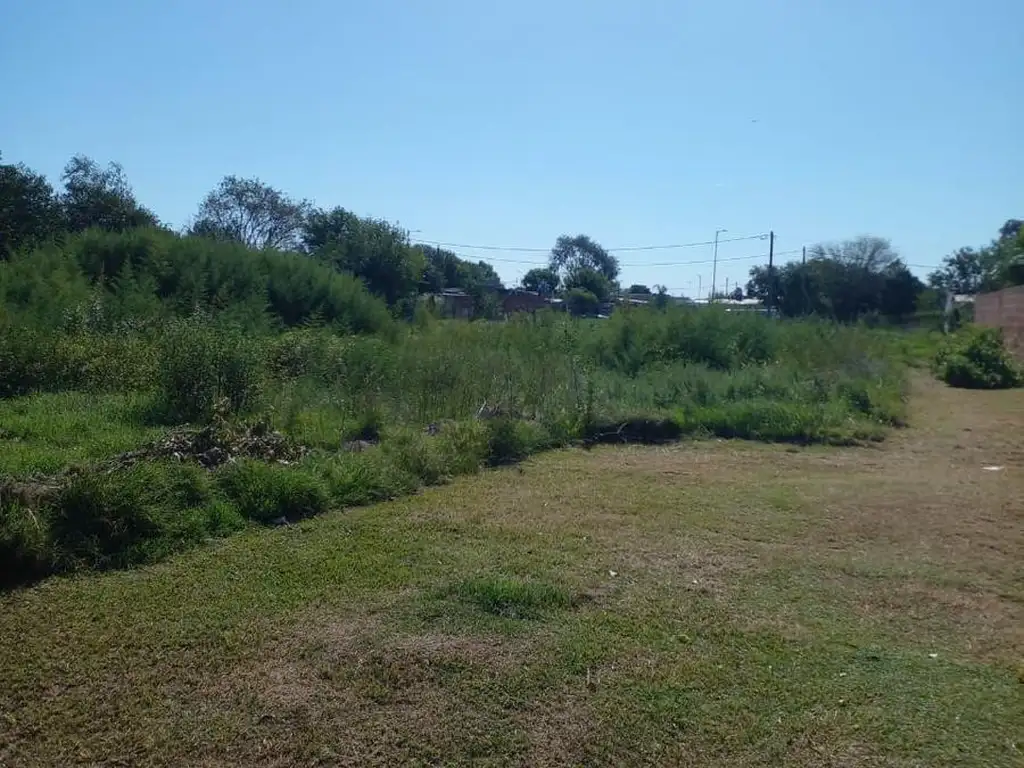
{"x": 46, "y": 433}
{"x": 511, "y": 598}
{"x": 265, "y": 493}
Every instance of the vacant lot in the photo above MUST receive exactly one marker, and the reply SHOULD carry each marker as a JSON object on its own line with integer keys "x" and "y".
{"x": 710, "y": 603}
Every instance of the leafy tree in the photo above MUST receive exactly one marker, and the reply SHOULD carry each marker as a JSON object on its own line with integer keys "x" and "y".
{"x": 250, "y": 212}
{"x": 543, "y": 280}
{"x": 581, "y": 302}
{"x": 856, "y": 279}
{"x": 440, "y": 268}
{"x": 737, "y": 294}
{"x": 29, "y": 211}
{"x": 98, "y": 197}
{"x": 1007, "y": 256}
{"x": 572, "y": 254}
{"x": 867, "y": 252}
{"x": 997, "y": 265}
{"x": 1010, "y": 229}
{"x": 444, "y": 269}
{"x": 482, "y": 282}
{"x": 372, "y": 249}
{"x": 639, "y": 289}
{"x": 963, "y": 271}
{"x": 900, "y": 291}
{"x": 480, "y": 274}
{"x": 661, "y": 297}
{"x": 590, "y": 280}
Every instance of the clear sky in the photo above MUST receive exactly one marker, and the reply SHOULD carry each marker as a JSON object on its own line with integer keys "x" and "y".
{"x": 509, "y": 123}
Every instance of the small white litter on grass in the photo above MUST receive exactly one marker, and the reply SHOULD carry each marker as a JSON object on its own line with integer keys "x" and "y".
{"x": 993, "y": 468}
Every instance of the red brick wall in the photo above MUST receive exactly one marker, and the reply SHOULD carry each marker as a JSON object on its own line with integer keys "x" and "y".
{"x": 1003, "y": 309}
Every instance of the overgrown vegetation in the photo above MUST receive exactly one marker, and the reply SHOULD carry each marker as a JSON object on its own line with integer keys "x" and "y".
{"x": 977, "y": 358}
{"x": 198, "y": 331}
{"x": 268, "y": 311}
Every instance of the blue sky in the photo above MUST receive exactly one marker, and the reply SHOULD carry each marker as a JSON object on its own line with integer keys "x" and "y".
{"x": 510, "y": 123}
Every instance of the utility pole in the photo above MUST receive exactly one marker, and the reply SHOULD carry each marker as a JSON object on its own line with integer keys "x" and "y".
{"x": 771, "y": 271}
{"x": 803, "y": 259}
{"x": 698, "y": 287}
{"x": 714, "y": 268}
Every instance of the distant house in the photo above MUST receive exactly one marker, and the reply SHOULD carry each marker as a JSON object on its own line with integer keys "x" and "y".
{"x": 453, "y": 302}
{"x": 523, "y": 301}
{"x": 635, "y": 299}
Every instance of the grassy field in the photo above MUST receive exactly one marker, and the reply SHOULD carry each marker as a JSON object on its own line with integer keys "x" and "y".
{"x": 707, "y": 603}
{"x": 370, "y": 417}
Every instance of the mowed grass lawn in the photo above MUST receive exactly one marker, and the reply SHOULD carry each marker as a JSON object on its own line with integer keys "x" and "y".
{"x": 708, "y": 603}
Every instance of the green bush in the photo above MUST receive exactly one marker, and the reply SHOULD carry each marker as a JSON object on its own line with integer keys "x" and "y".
{"x": 463, "y": 445}
{"x": 265, "y": 493}
{"x": 388, "y": 413}
{"x": 202, "y": 369}
{"x": 976, "y": 358}
{"x": 156, "y": 274}
{"x": 416, "y": 453}
{"x": 510, "y": 440}
{"x": 359, "y": 478}
{"x": 29, "y": 362}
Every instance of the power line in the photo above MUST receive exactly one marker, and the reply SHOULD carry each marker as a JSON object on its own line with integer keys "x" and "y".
{"x": 621, "y": 249}
{"x": 694, "y": 262}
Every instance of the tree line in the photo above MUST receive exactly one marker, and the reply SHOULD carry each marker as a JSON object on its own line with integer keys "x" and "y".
{"x": 859, "y": 278}
{"x": 865, "y": 278}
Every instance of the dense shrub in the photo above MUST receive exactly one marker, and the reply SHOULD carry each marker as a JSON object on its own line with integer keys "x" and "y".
{"x": 976, "y": 358}
{"x": 203, "y": 370}
{"x": 154, "y": 273}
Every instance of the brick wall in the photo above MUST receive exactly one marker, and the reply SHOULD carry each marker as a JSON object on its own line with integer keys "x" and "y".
{"x": 1003, "y": 309}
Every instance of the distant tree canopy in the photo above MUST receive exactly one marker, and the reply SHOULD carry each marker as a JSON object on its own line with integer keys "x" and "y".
{"x": 573, "y": 254}
{"x": 100, "y": 197}
{"x": 996, "y": 265}
{"x": 29, "y": 210}
{"x": 445, "y": 270}
{"x": 590, "y": 280}
{"x": 373, "y": 249}
{"x": 250, "y": 212}
{"x": 543, "y": 280}
{"x": 581, "y": 303}
{"x": 845, "y": 281}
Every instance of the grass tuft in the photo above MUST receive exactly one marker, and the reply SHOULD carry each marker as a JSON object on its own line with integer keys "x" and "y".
{"x": 512, "y": 598}
{"x": 266, "y": 493}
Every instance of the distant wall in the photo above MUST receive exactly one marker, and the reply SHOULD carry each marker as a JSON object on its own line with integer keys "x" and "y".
{"x": 1003, "y": 309}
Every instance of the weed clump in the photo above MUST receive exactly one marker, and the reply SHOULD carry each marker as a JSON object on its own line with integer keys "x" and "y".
{"x": 977, "y": 358}
{"x": 268, "y": 493}
{"x": 139, "y": 515}
{"x": 201, "y": 367}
